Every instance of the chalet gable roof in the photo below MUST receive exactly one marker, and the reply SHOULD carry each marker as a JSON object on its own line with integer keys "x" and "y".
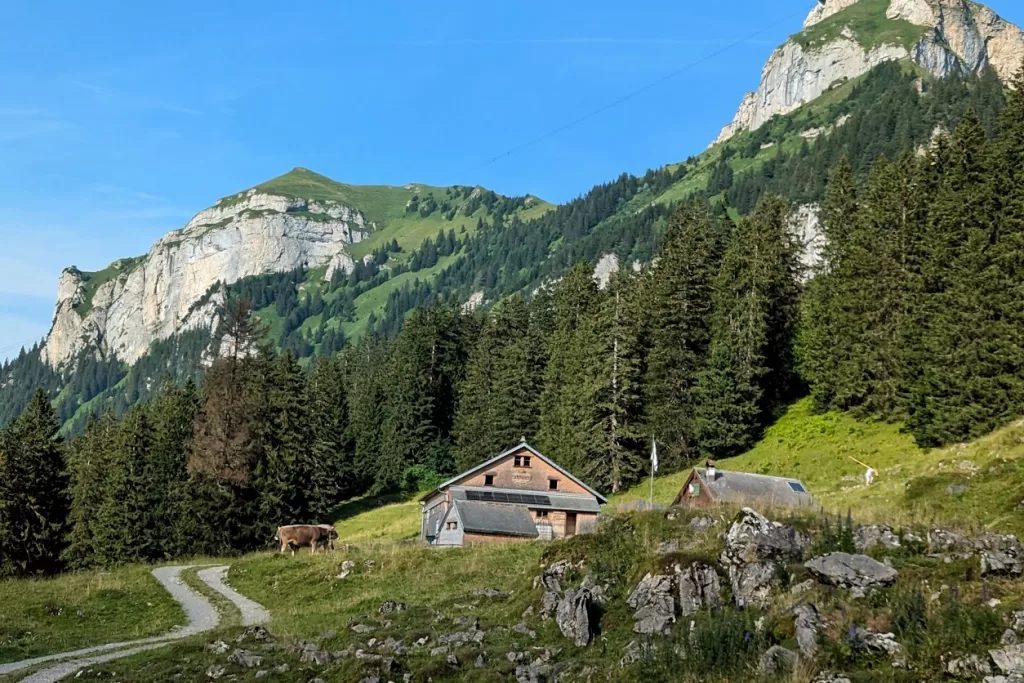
{"x": 484, "y": 465}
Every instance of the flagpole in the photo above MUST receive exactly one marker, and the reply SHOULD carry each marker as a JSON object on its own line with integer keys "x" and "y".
{"x": 654, "y": 465}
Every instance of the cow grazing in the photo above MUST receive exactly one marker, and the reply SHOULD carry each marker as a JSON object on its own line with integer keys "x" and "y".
{"x": 296, "y": 536}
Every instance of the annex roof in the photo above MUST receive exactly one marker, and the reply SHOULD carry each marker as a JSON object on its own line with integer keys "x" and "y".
{"x": 601, "y": 499}
{"x": 492, "y": 518}
{"x": 743, "y": 487}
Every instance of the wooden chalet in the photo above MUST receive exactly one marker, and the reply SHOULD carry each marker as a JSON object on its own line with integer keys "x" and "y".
{"x": 518, "y": 495}
{"x": 708, "y": 486}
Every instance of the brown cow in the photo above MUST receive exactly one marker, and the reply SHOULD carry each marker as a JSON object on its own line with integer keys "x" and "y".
{"x": 305, "y": 535}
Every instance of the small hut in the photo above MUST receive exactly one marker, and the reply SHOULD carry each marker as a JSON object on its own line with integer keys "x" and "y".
{"x": 709, "y": 486}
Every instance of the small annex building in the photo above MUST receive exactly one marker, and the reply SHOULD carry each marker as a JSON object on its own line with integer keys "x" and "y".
{"x": 709, "y": 486}
{"x": 518, "y": 495}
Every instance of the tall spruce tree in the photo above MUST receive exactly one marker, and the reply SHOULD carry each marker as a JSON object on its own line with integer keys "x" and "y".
{"x": 751, "y": 370}
{"x": 33, "y": 491}
{"x": 89, "y": 464}
{"x": 679, "y": 318}
{"x": 575, "y": 297}
{"x": 331, "y": 475}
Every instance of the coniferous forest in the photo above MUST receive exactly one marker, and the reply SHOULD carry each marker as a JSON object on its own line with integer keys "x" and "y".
{"x": 913, "y": 314}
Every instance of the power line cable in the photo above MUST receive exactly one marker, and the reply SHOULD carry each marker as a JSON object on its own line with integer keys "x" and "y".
{"x": 630, "y": 95}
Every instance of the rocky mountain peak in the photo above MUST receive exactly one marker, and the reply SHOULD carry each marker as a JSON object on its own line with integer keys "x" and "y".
{"x": 844, "y": 39}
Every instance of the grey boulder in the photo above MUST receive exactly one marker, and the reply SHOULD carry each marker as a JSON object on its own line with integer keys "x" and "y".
{"x": 851, "y": 571}
{"x": 573, "y": 616}
{"x": 654, "y": 604}
{"x": 699, "y": 587}
{"x": 870, "y": 536}
{"x": 755, "y": 538}
{"x": 807, "y": 623}
{"x": 752, "y": 583}
{"x": 778, "y": 660}
{"x": 1009, "y": 659}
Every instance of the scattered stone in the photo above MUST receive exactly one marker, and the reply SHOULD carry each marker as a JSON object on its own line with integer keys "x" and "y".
{"x": 452, "y": 660}
{"x": 668, "y": 547}
{"x": 1003, "y": 562}
{"x": 528, "y": 612}
{"x": 256, "y": 634}
{"x": 699, "y": 587}
{"x": 218, "y": 647}
{"x": 851, "y": 571}
{"x": 245, "y": 659}
{"x": 517, "y": 657}
{"x": 463, "y": 637}
{"x": 491, "y": 594}
{"x": 346, "y": 568}
{"x": 807, "y": 622}
{"x": 971, "y": 666}
{"x": 327, "y": 635}
{"x": 438, "y": 651}
{"x": 702, "y": 524}
{"x": 573, "y": 616}
{"x": 262, "y": 673}
{"x": 653, "y": 601}
{"x": 369, "y": 564}
{"x": 1010, "y": 659}
{"x": 370, "y": 679}
{"x": 523, "y": 629}
{"x": 875, "y": 642}
{"x": 941, "y": 542}
{"x": 1018, "y": 622}
{"x": 548, "y": 604}
{"x": 828, "y": 677}
{"x": 634, "y": 652}
{"x": 215, "y": 671}
{"x": 311, "y": 653}
{"x": 752, "y": 583}
{"x": 956, "y": 489}
{"x": 395, "y": 647}
{"x": 1010, "y": 637}
{"x": 778, "y": 660}
{"x": 912, "y": 538}
{"x": 802, "y": 587}
{"x": 868, "y": 537}
{"x": 282, "y": 668}
{"x": 422, "y": 641}
{"x": 598, "y": 593}
{"x": 1012, "y": 678}
{"x": 550, "y": 578}
{"x": 481, "y": 661}
{"x": 320, "y": 680}
{"x": 533, "y": 673}
{"x": 363, "y": 628}
{"x": 390, "y": 607}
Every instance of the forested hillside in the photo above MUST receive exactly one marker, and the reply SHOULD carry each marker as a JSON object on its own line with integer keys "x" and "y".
{"x": 913, "y": 315}
{"x": 515, "y": 245}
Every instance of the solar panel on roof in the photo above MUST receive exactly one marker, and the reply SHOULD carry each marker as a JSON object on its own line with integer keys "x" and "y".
{"x": 795, "y": 485}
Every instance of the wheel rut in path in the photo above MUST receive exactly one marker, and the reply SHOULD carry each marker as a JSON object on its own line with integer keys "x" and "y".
{"x": 201, "y": 616}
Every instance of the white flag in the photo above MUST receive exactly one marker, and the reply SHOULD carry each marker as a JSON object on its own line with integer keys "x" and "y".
{"x": 654, "y": 456}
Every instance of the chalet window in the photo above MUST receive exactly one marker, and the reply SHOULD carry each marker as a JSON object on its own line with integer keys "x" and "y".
{"x": 797, "y": 487}
{"x": 542, "y": 514}
{"x": 453, "y": 525}
{"x": 488, "y": 480}
{"x": 521, "y": 461}
{"x": 695, "y": 489}
{"x": 552, "y": 484}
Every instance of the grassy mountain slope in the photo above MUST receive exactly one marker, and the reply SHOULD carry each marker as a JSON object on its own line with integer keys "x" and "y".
{"x": 866, "y": 20}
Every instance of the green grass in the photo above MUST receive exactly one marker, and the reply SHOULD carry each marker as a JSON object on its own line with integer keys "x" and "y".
{"x": 912, "y": 482}
{"x": 75, "y": 610}
{"x": 869, "y": 24}
{"x": 378, "y": 519}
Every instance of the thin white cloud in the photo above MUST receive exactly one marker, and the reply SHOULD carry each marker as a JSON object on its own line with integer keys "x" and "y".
{"x": 93, "y": 88}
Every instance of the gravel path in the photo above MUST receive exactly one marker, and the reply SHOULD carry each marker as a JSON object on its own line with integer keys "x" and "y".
{"x": 252, "y": 612}
{"x": 201, "y": 614}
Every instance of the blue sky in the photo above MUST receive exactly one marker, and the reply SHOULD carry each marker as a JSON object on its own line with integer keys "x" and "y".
{"x": 118, "y": 121}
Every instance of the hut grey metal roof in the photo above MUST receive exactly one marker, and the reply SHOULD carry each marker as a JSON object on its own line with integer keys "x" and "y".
{"x": 743, "y": 487}
{"x": 601, "y": 499}
{"x": 492, "y": 518}
{"x": 538, "y": 500}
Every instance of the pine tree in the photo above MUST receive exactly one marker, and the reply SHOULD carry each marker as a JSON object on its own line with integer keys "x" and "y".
{"x": 172, "y": 414}
{"x": 33, "y": 491}
{"x": 574, "y": 298}
{"x": 366, "y": 367}
{"x": 124, "y": 528}
{"x": 679, "y": 317}
{"x": 90, "y": 466}
{"x": 331, "y": 477}
{"x": 751, "y": 371}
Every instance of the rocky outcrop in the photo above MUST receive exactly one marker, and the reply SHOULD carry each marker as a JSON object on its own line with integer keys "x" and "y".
{"x": 654, "y": 604}
{"x": 755, "y": 549}
{"x": 699, "y": 587}
{"x": 573, "y": 616}
{"x": 961, "y": 37}
{"x": 124, "y": 309}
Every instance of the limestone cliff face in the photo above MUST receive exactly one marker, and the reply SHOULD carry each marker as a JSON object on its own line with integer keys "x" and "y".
{"x": 962, "y": 37}
{"x": 144, "y": 300}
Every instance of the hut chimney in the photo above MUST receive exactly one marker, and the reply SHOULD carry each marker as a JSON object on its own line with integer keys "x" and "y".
{"x": 711, "y": 470}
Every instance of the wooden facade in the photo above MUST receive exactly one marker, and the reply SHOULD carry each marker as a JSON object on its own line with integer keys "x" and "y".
{"x": 518, "y": 495}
